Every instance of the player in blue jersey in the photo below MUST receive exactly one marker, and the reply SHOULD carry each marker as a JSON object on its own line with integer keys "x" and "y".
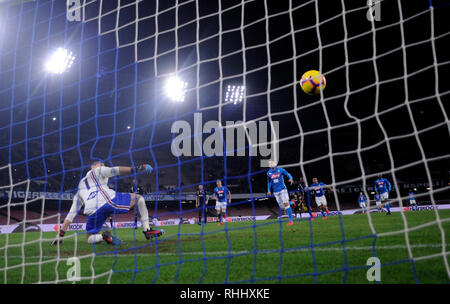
{"x": 384, "y": 186}
{"x": 377, "y": 198}
{"x": 412, "y": 200}
{"x": 275, "y": 181}
{"x": 321, "y": 200}
{"x": 362, "y": 202}
{"x": 222, "y": 195}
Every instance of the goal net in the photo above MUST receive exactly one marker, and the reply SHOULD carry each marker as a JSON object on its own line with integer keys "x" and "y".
{"x": 208, "y": 90}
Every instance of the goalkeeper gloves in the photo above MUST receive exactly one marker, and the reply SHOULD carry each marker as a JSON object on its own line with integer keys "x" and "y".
{"x": 59, "y": 238}
{"x": 144, "y": 168}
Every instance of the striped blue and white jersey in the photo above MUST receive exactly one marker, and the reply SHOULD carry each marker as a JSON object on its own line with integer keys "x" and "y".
{"x": 93, "y": 189}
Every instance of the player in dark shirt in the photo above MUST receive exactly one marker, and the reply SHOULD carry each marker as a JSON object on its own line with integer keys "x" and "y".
{"x": 304, "y": 198}
{"x": 201, "y": 200}
{"x": 296, "y": 204}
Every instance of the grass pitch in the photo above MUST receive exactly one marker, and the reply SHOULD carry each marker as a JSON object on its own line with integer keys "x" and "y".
{"x": 322, "y": 251}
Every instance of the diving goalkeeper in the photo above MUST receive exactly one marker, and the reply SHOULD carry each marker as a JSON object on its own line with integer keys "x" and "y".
{"x": 100, "y": 202}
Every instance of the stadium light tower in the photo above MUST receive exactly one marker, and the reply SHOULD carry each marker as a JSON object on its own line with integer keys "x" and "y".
{"x": 60, "y": 61}
{"x": 235, "y": 93}
{"x": 176, "y": 89}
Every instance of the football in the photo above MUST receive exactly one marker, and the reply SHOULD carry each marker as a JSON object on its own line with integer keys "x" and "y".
{"x": 312, "y": 82}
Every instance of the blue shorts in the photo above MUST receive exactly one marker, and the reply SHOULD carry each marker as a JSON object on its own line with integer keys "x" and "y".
{"x": 120, "y": 204}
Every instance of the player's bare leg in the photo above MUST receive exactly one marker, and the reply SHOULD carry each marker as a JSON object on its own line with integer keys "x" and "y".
{"x": 94, "y": 238}
{"x": 148, "y": 232}
{"x": 97, "y": 238}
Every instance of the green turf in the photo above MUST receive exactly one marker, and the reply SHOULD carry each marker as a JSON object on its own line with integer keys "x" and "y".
{"x": 242, "y": 252}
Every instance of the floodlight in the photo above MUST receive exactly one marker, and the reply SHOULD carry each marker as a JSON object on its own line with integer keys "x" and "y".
{"x": 176, "y": 89}
{"x": 60, "y": 61}
{"x": 234, "y": 93}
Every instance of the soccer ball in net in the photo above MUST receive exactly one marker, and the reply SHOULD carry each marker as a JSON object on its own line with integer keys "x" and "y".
{"x": 312, "y": 81}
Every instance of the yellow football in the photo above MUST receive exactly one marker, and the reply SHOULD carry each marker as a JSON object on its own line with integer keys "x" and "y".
{"x": 312, "y": 82}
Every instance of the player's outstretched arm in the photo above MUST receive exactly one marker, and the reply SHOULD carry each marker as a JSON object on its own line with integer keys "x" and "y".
{"x": 77, "y": 203}
{"x": 389, "y": 185}
{"x": 330, "y": 187}
{"x": 289, "y": 176}
{"x": 326, "y": 186}
{"x": 60, "y": 234}
{"x": 108, "y": 172}
{"x": 128, "y": 170}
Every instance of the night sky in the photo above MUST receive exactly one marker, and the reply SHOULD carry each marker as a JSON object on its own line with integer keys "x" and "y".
{"x": 118, "y": 77}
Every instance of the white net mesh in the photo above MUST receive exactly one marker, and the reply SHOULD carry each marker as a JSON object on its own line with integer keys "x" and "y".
{"x": 384, "y": 111}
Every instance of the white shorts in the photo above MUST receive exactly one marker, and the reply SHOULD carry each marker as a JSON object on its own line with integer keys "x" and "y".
{"x": 378, "y": 204}
{"x": 384, "y": 196}
{"x": 413, "y": 202}
{"x": 362, "y": 205}
{"x": 282, "y": 197}
{"x": 321, "y": 200}
{"x": 221, "y": 205}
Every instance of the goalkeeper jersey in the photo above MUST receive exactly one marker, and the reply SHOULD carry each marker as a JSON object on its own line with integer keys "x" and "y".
{"x": 93, "y": 189}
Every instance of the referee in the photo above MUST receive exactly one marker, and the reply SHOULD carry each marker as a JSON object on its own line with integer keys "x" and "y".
{"x": 201, "y": 200}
